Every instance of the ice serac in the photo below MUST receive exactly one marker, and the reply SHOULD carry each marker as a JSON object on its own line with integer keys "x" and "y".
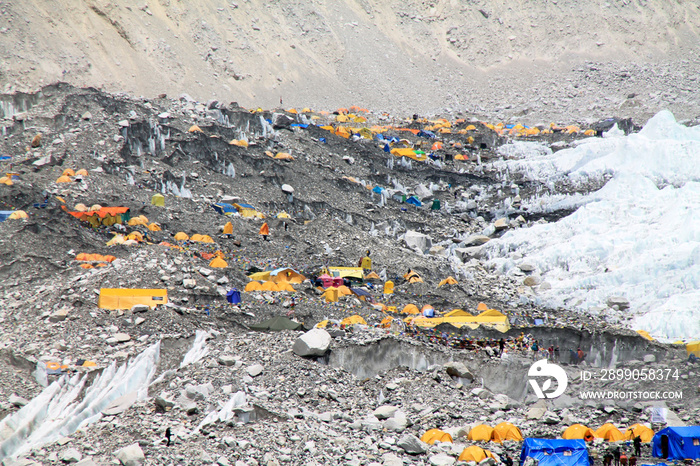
{"x": 199, "y": 349}
{"x": 67, "y": 404}
{"x": 636, "y": 236}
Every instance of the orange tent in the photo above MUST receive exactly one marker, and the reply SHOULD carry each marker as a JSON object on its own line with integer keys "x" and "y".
{"x": 82, "y": 172}
{"x": 228, "y": 229}
{"x": 480, "y": 433}
{"x": 609, "y": 432}
{"x": 474, "y": 453}
{"x": 181, "y": 236}
{"x": 639, "y": 430}
{"x": 506, "y": 431}
{"x": 269, "y": 286}
{"x": 63, "y": 179}
{"x": 253, "y": 286}
{"x": 437, "y": 146}
{"x": 68, "y": 172}
{"x": 410, "y": 309}
{"x": 218, "y": 263}
{"x": 264, "y": 229}
{"x": 201, "y": 238}
{"x": 436, "y": 435}
{"x": 578, "y": 431}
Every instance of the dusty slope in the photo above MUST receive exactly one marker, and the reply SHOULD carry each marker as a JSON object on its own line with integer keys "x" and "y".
{"x": 535, "y": 60}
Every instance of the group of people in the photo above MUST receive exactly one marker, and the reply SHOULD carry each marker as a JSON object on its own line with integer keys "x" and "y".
{"x": 620, "y": 458}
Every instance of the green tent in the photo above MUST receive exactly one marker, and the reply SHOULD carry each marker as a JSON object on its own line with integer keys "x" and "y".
{"x": 436, "y": 204}
{"x": 277, "y": 323}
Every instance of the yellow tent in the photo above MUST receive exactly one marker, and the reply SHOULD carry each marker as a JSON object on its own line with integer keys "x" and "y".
{"x": 410, "y": 309}
{"x": 497, "y": 323}
{"x": 352, "y": 320}
{"x": 448, "y": 281}
{"x": 201, "y": 238}
{"x": 82, "y": 172}
{"x": 331, "y": 294}
{"x": 481, "y": 307}
{"x": 218, "y": 263}
{"x": 412, "y": 277}
{"x": 262, "y": 276}
{"x": 63, "y": 179}
{"x": 578, "y": 431}
{"x": 386, "y": 322}
{"x": 135, "y": 235}
{"x": 610, "y": 433}
{"x": 322, "y": 324}
{"x": 284, "y": 156}
{"x": 6, "y": 181}
{"x": 645, "y": 334}
{"x": 283, "y": 215}
{"x": 228, "y": 228}
{"x": 436, "y": 435}
{"x": 474, "y": 453}
{"x": 506, "y": 431}
{"x": 117, "y": 239}
{"x": 492, "y": 313}
{"x": 345, "y": 272}
{"x": 158, "y": 200}
{"x": 181, "y": 236}
{"x": 17, "y": 214}
{"x": 344, "y": 291}
{"x": 480, "y": 433}
{"x": 373, "y": 276}
{"x": 126, "y": 298}
{"x": 68, "y": 172}
{"x": 458, "y": 313}
{"x": 286, "y": 286}
{"x": 253, "y": 286}
{"x": 388, "y": 287}
{"x": 287, "y": 275}
{"x": 270, "y": 286}
{"x": 693, "y": 348}
{"x": 639, "y": 430}
{"x": 194, "y": 129}
{"x": 154, "y": 227}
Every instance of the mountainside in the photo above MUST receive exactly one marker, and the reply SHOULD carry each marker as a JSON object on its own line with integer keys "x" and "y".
{"x": 532, "y": 61}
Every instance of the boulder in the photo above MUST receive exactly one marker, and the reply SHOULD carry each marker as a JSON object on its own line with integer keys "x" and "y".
{"x": 441, "y": 459}
{"x": 255, "y": 370}
{"x": 131, "y": 455}
{"x": 70, "y": 455}
{"x": 280, "y": 120}
{"x": 476, "y": 240}
{"x": 315, "y": 342}
{"x": 648, "y": 358}
{"x": 527, "y": 268}
{"x": 227, "y": 360}
{"x": 396, "y": 424}
{"x": 412, "y": 445}
{"x": 532, "y": 281}
{"x": 537, "y": 410}
{"x": 59, "y": 316}
{"x": 550, "y": 418}
{"x": 385, "y": 412}
{"x": 418, "y": 241}
{"x": 622, "y": 303}
{"x": 458, "y": 369}
{"x": 136, "y": 308}
{"x": 189, "y": 283}
{"x": 501, "y": 224}
{"x": 198, "y": 392}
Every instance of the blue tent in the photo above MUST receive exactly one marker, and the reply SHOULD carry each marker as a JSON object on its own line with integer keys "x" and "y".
{"x": 377, "y": 189}
{"x": 426, "y": 134}
{"x": 413, "y": 200}
{"x": 387, "y": 148}
{"x": 224, "y": 208}
{"x": 677, "y": 443}
{"x": 4, "y": 214}
{"x": 555, "y": 452}
{"x": 233, "y": 296}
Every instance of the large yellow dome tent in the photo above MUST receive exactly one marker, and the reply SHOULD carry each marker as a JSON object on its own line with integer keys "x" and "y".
{"x": 181, "y": 236}
{"x": 218, "y": 263}
{"x": 609, "y": 432}
{"x": 506, "y": 431}
{"x": 68, "y": 172}
{"x": 436, "y": 435}
{"x": 269, "y": 286}
{"x": 201, "y": 238}
{"x": 17, "y": 214}
{"x": 578, "y": 431}
{"x": 448, "y": 281}
{"x": 410, "y": 309}
{"x": 639, "y": 430}
{"x": 480, "y": 433}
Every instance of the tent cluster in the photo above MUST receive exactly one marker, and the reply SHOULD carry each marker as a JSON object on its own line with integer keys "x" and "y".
{"x": 502, "y": 431}
{"x": 491, "y": 318}
{"x": 69, "y": 172}
{"x": 244, "y": 210}
{"x": 608, "y": 432}
{"x": 143, "y": 221}
{"x": 99, "y": 259}
{"x": 274, "y": 280}
{"x": 7, "y": 180}
{"x": 126, "y": 298}
{"x": 101, "y": 216}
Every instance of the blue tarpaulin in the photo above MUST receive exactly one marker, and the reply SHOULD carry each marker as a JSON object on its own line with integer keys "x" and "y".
{"x": 299, "y": 125}
{"x": 224, "y": 208}
{"x": 426, "y": 134}
{"x": 377, "y": 189}
{"x": 4, "y": 214}
{"x": 555, "y": 452}
{"x": 413, "y": 200}
{"x": 682, "y": 443}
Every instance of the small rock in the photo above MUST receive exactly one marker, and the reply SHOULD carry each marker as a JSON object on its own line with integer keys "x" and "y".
{"x": 204, "y": 271}
{"x": 86, "y": 115}
{"x": 140, "y": 308}
{"x": 441, "y": 459}
{"x": 59, "y": 316}
{"x": 17, "y": 401}
{"x": 550, "y": 418}
{"x": 532, "y": 281}
{"x": 121, "y": 337}
{"x": 458, "y": 369}
{"x": 227, "y": 360}
{"x": 501, "y": 224}
{"x": 649, "y": 358}
{"x": 527, "y": 268}
{"x": 255, "y": 370}
{"x": 189, "y": 283}
{"x": 622, "y": 303}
